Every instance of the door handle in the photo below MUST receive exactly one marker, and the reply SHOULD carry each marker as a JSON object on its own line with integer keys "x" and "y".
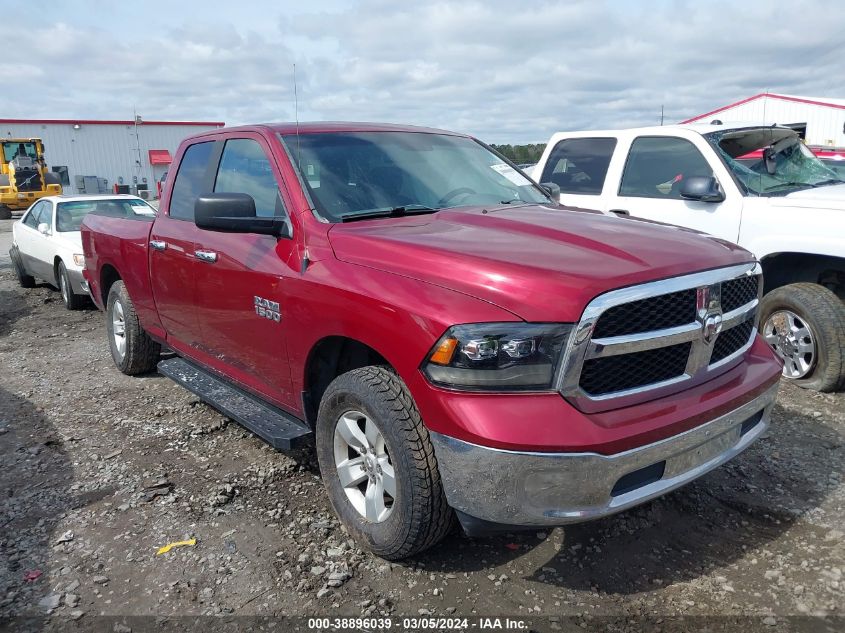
{"x": 621, "y": 212}
{"x": 206, "y": 256}
{"x": 158, "y": 245}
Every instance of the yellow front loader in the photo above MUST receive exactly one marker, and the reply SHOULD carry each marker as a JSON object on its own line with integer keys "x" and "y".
{"x": 24, "y": 177}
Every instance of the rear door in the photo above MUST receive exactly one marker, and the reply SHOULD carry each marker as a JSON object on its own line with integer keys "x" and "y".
{"x": 579, "y": 167}
{"x": 241, "y": 278}
{"x": 650, "y": 187}
{"x": 172, "y": 246}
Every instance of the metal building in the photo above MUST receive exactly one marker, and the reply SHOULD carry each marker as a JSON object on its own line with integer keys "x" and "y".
{"x": 821, "y": 121}
{"x": 95, "y": 156}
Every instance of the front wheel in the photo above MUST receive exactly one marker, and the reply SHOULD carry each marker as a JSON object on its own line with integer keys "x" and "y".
{"x": 71, "y": 300}
{"x": 804, "y": 323}
{"x": 378, "y": 464}
{"x": 132, "y": 349}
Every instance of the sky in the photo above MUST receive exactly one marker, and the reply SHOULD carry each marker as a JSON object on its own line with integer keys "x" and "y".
{"x": 506, "y": 71}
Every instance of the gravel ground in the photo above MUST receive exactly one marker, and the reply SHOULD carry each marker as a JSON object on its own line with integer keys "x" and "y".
{"x": 100, "y": 470}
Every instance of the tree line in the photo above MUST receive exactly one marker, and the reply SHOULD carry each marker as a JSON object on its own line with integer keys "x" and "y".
{"x": 521, "y": 153}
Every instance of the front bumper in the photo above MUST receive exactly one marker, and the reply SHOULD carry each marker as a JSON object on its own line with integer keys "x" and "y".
{"x": 77, "y": 281}
{"x": 536, "y": 489}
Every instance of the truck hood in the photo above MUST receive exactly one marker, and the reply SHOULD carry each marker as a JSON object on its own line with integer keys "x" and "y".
{"x": 826, "y": 197}
{"x": 540, "y": 263}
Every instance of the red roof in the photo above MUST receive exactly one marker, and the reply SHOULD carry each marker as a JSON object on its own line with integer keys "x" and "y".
{"x": 102, "y": 122}
{"x": 160, "y": 157}
{"x": 770, "y": 95}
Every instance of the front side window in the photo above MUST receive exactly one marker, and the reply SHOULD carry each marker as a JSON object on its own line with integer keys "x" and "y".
{"x": 31, "y": 219}
{"x": 657, "y": 166}
{"x": 358, "y": 174}
{"x": 579, "y": 165}
{"x": 190, "y": 180}
{"x": 244, "y": 168}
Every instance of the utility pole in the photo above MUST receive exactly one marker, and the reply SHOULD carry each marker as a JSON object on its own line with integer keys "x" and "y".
{"x": 661, "y": 114}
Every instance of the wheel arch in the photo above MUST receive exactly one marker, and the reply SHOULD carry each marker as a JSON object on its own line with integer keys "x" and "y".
{"x": 784, "y": 268}
{"x": 108, "y": 276}
{"x": 328, "y": 358}
{"x": 56, "y": 261}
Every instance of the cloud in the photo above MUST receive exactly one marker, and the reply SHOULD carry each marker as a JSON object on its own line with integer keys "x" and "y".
{"x": 502, "y": 70}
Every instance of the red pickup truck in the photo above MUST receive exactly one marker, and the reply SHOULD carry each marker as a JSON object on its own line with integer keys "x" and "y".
{"x": 453, "y": 342}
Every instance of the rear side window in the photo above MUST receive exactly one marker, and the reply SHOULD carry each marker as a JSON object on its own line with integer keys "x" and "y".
{"x": 657, "y": 165}
{"x": 245, "y": 168}
{"x": 190, "y": 180}
{"x": 579, "y": 165}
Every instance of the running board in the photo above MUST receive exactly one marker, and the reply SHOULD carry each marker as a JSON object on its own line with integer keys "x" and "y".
{"x": 279, "y": 429}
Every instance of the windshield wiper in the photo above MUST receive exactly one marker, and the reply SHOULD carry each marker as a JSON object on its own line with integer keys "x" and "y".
{"x": 829, "y": 181}
{"x": 392, "y": 212}
{"x": 790, "y": 184}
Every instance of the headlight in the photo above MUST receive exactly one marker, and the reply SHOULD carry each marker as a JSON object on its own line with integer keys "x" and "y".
{"x": 498, "y": 356}
{"x": 78, "y": 259}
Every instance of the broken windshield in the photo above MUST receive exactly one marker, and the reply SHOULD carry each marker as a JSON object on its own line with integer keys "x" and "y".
{"x": 770, "y": 161}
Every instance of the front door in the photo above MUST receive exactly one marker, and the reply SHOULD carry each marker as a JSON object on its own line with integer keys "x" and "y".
{"x": 34, "y": 246}
{"x": 650, "y": 188}
{"x": 241, "y": 278}
{"x": 171, "y": 249}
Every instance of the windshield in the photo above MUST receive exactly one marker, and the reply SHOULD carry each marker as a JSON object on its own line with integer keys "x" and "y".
{"x": 358, "y": 173}
{"x": 69, "y": 215}
{"x": 771, "y": 161}
{"x": 12, "y": 150}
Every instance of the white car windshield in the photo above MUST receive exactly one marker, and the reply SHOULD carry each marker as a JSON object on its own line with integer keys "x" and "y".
{"x": 771, "y": 161}
{"x": 69, "y": 215}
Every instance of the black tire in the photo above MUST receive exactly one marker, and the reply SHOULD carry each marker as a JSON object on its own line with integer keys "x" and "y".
{"x": 824, "y": 314}
{"x": 71, "y": 300}
{"x": 5, "y": 212}
{"x": 26, "y": 281}
{"x": 420, "y": 516}
{"x": 140, "y": 353}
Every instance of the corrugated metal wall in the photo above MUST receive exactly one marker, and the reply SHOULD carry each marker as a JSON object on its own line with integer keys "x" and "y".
{"x": 824, "y": 124}
{"x": 105, "y": 151}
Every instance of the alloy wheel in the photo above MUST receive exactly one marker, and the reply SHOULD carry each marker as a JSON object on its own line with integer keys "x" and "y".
{"x": 364, "y": 467}
{"x": 119, "y": 328}
{"x": 791, "y": 337}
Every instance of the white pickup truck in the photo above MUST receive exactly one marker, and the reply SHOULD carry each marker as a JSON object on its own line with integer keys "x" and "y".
{"x": 755, "y": 185}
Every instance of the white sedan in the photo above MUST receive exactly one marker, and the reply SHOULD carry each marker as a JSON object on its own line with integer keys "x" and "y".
{"x": 46, "y": 243}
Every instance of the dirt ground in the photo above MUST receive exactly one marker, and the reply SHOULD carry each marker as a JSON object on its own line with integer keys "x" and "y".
{"x": 99, "y": 470}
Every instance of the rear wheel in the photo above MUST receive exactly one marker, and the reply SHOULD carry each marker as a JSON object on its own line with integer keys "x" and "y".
{"x": 132, "y": 349}
{"x": 378, "y": 464}
{"x": 72, "y": 301}
{"x": 804, "y": 324}
{"x": 5, "y": 212}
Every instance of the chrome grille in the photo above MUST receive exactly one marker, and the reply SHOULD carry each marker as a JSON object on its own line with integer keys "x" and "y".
{"x": 654, "y": 313}
{"x": 639, "y": 343}
{"x": 730, "y": 341}
{"x": 628, "y": 371}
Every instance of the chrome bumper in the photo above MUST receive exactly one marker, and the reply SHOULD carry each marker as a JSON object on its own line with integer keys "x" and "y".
{"x": 535, "y": 489}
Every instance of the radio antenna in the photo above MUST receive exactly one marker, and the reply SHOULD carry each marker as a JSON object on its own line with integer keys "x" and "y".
{"x": 296, "y": 117}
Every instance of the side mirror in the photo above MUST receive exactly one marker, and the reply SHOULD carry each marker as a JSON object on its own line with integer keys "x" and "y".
{"x": 701, "y": 188}
{"x": 553, "y": 189}
{"x": 44, "y": 228}
{"x": 235, "y": 213}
